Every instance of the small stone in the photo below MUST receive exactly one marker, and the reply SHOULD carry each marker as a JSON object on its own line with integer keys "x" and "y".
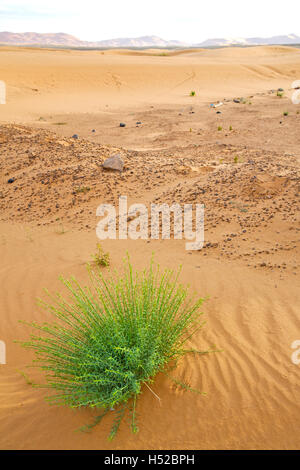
{"x": 75, "y": 136}
{"x": 60, "y": 142}
{"x": 114, "y": 162}
{"x": 122, "y": 124}
{"x": 11, "y": 180}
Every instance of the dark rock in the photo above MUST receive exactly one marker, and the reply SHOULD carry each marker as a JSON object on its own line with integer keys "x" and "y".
{"x": 122, "y": 124}
{"x": 11, "y": 180}
{"x": 75, "y": 136}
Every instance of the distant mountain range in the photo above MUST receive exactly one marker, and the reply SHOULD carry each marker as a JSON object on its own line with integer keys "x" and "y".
{"x": 144, "y": 41}
{"x": 282, "y": 40}
{"x": 62, "y": 39}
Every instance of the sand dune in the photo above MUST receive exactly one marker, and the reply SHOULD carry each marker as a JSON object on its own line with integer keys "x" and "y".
{"x": 247, "y": 175}
{"x": 57, "y": 81}
{"x": 252, "y": 387}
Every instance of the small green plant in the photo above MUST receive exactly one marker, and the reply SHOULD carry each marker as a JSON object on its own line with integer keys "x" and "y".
{"x": 280, "y": 94}
{"x": 286, "y": 113}
{"x": 101, "y": 258}
{"x": 230, "y": 128}
{"x": 61, "y": 229}
{"x": 236, "y": 159}
{"x": 112, "y": 338}
{"x": 192, "y": 93}
{"x": 220, "y": 128}
{"x": 83, "y": 189}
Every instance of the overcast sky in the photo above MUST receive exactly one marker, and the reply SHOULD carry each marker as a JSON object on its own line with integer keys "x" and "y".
{"x": 185, "y": 20}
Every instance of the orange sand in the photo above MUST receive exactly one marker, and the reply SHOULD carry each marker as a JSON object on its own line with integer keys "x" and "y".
{"x": 175, "y": 155}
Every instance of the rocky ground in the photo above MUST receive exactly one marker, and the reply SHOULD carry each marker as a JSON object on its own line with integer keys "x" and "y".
{"x": 250, "y": 193}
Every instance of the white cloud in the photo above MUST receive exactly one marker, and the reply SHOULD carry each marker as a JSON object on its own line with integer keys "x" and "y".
{"x": 190, "y": 20}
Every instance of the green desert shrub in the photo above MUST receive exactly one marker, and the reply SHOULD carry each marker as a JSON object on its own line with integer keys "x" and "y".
{"x": 114, "y": 336}
{"x": 100, "y": 257}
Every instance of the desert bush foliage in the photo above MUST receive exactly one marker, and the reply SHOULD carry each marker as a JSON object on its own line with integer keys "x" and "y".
{"x": 112, "y": 337}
